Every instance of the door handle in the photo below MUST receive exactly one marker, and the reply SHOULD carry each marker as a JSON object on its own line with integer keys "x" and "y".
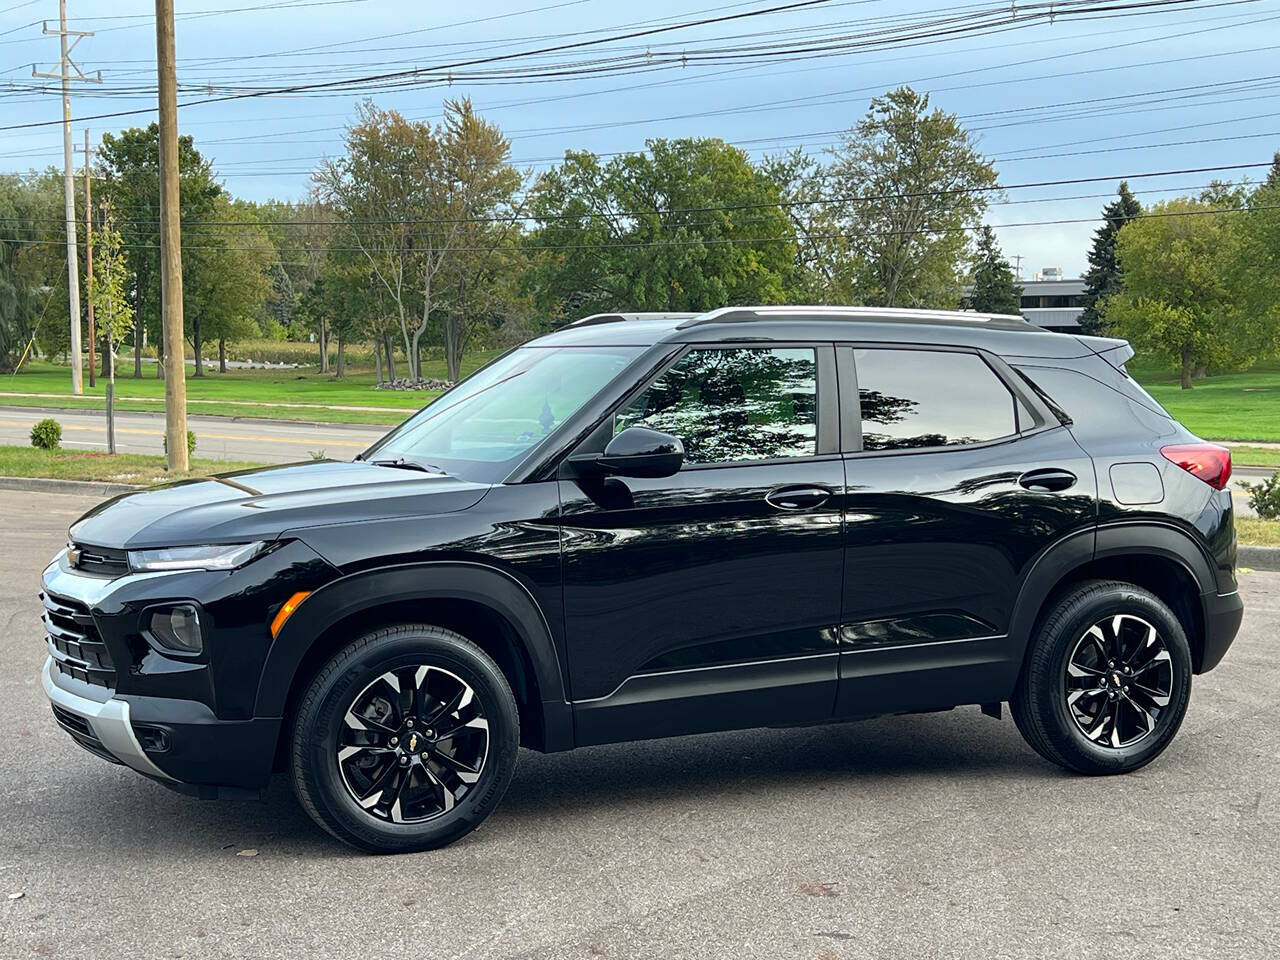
{"x": 797, "y": 497}
{"x": 1047, "y": 480}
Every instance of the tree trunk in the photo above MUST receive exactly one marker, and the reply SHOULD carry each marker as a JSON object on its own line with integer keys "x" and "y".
{"x": 324, "y": 347}
{"x": 197, "y": 347}
{"x": 377, "y": 357}
{"x": 137, "y": 343}
{"x": 1202, "y": 371}
{"x": 342, "y": 366}
{"x": 415, "y": 358}
{"x": 159, "y": 364}
{"x": 222, "y": 354}
{"x": 1186, "y": 368}
{"x": 391, "y": 357}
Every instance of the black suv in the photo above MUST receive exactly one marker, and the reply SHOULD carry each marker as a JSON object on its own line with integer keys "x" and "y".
{"x": 652, "y": 525}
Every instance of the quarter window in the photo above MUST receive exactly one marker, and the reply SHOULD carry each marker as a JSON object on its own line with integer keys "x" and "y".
{"x": 928, "y": 398}
{"x": 734, "y": 404}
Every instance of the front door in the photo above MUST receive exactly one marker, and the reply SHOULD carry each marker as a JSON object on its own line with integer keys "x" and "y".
{"x": 958, "y": 478}
{"x": 709, "y": 599}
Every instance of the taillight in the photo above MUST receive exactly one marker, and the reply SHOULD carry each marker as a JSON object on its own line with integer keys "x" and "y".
{"x": 1208, "y": 461}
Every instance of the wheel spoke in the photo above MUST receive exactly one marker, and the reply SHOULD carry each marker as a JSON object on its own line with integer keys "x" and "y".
{"x": 387, "y": 763}
{"x": 1148, "y": 718}
{"x": 1075, "y": 696}
{"x": 1155, "y": 698}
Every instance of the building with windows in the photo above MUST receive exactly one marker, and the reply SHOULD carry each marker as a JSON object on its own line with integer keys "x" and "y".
{"x": 1053, "y": 301}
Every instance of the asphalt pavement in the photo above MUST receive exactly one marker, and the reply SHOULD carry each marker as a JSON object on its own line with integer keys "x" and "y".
{"x": 910, "y": 837}
{"x": 218, "y": 438}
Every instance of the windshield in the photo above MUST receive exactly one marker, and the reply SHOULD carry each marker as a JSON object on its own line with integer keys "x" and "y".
{"x": 482, "y": 427}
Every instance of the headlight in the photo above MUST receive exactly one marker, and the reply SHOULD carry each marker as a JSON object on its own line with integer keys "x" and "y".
{"x": 226, "y": 556}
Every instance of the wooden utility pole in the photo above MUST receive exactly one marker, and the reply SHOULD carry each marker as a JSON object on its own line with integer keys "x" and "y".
{"x": 88, "y": 247}
{"x": 66, "y": 65}
{"x": 175, "y": 367}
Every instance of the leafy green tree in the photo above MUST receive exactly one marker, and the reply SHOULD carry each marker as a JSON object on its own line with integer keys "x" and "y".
{"x": 404, "y": 194}
{"x": 688, "y": 225}
{"x": 910, "y": 183}
{"x": 129, "y": 165}
{"x": 226, "y": 285}
{"x": 1175, "y": 304}
{"x": 1273, "y": 174}
{"x": 282, "y": 301}
{"x": 33, "y": 267}
{"x": 1104, "y": 278}
{"x": 1253, "y": 274}
{"x": 821, "y": 250}
{"x": 113, "y": 313}
{"x": 995, "y": 289}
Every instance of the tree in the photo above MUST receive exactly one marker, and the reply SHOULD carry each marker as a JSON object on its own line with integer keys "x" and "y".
{"x": 1104, "y": 277}
{"x": 282, "y": 301}
{"x": 404, "y": 194}
{"x": 995, "y": 289}
{"x": 226, "y": 286}
{"x": 1175, "y": 303}
{"x": 1273, "y": 173}
{"x": 1253, "y": 274}
{"x": 130, "y": 168}
{"x": 910, "y": 184}
{"x": 688, "y": 225}
{"x": 821, "y": 248}
{"x": 29, "y": 271}
{"x": 109, "y": 294}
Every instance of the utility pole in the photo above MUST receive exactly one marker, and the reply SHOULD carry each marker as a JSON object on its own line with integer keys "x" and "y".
{"x": 1017, "y": 270}
{"x": 88, "y": 246}
{"x": 175, "y": 368}
{"x": 68, "y": 177}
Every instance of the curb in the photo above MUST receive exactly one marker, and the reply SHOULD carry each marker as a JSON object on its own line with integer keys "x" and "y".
{"x": 98, "y": 488}
{"x": 216, "y": 417}
{"x": 1258, "y": 558}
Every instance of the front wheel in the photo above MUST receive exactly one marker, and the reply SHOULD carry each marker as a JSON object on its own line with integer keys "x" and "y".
{"x": 405, "y": 740}
{"x": 1106, "y": 681}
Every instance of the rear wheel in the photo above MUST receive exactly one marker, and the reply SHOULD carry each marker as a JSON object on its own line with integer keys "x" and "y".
{"x": 405, "y": 740}
{"x": 1107, "y": 680}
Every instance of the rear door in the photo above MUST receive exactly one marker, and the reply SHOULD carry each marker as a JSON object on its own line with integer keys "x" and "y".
{"x": 709, "y": 599}
{"x": 957, "y": 477}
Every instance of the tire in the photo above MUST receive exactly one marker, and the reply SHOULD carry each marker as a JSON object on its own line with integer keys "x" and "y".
{"x": 404, "y": 782}
{"x": 1068, "y": 682}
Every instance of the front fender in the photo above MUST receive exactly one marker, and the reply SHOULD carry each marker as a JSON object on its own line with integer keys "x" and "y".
{"x": 444, "y": 579}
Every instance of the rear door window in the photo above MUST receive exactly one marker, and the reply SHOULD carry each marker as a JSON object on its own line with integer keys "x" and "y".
{"x": 916, "y": 399}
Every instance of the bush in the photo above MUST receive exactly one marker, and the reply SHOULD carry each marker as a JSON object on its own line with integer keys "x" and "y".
{"x": 1264, "y": 496}
{"x": 191, "y": 443}
{"x": 47, "y": 434}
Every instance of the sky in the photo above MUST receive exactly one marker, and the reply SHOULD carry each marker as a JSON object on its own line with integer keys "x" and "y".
{"x": 1193, "y": 85}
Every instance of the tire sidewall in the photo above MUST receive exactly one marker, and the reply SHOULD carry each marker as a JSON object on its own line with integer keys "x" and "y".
{"x": 1066, "y": 632}
{"x": 316, "y": 735}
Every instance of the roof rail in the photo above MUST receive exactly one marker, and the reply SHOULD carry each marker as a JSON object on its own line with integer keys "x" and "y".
{"x": 597, "y": 318}
{"x": 1003, "y": 321}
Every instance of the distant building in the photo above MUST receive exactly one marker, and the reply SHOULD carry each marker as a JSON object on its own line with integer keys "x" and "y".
{"x": 1053, "y": 301}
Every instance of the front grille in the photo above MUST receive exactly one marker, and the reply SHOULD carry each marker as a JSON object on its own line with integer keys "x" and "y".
{"x": 81, "y": 732}
{"x": 74, "y": 641}
{"x": 107, "y": 561}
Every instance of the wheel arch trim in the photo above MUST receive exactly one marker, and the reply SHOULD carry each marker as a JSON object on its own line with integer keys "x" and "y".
{"x": 1107, "y": 540}
{"x": 479, "y": 583}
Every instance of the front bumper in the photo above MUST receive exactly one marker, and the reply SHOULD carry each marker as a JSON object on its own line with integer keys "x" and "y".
{"x": 106, "y": 726}
{"x": 187, "y": 721}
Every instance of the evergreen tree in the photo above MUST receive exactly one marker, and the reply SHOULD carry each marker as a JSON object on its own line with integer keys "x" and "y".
{"x": 995, "y": 289}
{"x": 1103, "y": 278}
{"x": 1273, "y": 175}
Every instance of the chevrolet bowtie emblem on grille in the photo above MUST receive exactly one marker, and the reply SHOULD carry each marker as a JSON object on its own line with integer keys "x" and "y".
{"x": 413, "y": 743}
{"x": 73, "y": 556}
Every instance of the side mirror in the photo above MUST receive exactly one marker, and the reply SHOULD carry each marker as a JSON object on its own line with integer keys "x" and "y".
{"x": 636, "y": 452}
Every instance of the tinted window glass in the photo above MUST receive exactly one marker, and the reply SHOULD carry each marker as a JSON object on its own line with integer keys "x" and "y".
{"x": 734, "y": 404}
{"x": 923, "y": 398}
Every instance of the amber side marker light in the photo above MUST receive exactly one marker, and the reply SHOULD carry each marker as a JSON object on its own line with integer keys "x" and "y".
{"x": 286, "y": 611}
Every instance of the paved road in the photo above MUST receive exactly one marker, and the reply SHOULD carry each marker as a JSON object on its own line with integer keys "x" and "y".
{"x": 911, "y": 837}
{"x": 220, "y": 438}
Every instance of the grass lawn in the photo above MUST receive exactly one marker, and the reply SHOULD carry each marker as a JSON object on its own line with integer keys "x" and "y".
{"x": 1228, "y": 406}
{"x": 238, "y": 393}
{"x": 91, "y": 465}
{"x": 1256, "y": 532}
{"x": 1243, "y": 455}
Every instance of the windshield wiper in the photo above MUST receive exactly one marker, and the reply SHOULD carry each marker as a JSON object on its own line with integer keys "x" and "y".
{"x": 403, "y": 464}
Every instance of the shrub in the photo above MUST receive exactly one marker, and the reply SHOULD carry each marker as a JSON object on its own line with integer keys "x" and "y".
{"x": 47, "y": 434}
{"x": 1264, "y": 496}
{"x": 191, "y": 443}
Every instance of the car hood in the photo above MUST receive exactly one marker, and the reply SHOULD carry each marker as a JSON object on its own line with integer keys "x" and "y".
{"x": 260, "y": 504}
